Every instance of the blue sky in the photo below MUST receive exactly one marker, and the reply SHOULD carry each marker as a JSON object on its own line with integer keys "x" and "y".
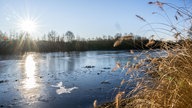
{"x": 86, "y": 18}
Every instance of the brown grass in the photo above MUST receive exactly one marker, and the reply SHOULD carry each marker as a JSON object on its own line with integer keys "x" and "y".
{"x": 120, "y": 40}
{"x": 168, "y": 80}
{"x": 170, "y": 88}
{"x": 118, "y": 99}
{"x": 173, "y": 86}
{"x": 95, "y": 104}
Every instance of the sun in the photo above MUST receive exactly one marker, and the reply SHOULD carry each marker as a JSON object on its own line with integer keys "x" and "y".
{"x": 27, "y": 25}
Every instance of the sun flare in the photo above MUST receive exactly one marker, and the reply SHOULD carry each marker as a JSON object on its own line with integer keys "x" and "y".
{"x": 28, "y": 25}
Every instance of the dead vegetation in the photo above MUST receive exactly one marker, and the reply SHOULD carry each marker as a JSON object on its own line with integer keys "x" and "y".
{"x": 167, "y": 82}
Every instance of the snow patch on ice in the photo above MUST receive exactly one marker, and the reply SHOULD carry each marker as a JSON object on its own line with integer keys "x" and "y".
{"x": 62, "y": 89}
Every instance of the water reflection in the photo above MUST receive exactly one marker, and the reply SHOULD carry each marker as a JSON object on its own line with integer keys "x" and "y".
{"x": 30, "y": 68}
{"x": 30, "y": 89}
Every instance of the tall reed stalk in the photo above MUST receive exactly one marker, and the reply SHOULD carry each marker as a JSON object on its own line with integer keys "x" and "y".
{"x": 167, "y": 82}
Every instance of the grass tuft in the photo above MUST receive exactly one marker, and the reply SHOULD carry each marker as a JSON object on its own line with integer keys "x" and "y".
{"x": 173, "y": 86}
{"x": 167, "y": 82}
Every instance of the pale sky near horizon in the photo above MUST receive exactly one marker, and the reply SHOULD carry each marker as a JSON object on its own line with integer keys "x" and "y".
{"x": 85, "y": 18}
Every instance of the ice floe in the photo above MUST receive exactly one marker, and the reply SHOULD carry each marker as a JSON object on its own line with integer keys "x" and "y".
{"x": 62, "y": 89}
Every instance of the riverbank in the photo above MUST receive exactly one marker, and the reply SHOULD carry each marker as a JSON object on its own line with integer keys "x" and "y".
{"x": 25, "y": 43}
{"x": 172, "y": 86}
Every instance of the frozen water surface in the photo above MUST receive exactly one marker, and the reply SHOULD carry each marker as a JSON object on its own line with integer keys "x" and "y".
{"x": 61, "y": 80}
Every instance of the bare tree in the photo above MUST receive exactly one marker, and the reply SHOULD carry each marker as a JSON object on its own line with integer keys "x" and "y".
{"x": 70, "y": 36}
{"x": 52, "y": 35}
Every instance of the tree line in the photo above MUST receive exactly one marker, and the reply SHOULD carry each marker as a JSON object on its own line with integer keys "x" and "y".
{"x": 52, "y": 42}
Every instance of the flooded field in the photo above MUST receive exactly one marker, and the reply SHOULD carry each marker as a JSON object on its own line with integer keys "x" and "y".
{"x": 62, "y": 80}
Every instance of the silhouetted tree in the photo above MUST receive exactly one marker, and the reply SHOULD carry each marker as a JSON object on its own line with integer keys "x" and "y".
{"x": 70, "y": 36}
{"x": 52, "y": 35}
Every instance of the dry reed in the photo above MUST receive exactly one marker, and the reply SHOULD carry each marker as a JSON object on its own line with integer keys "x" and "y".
{"x": 168, "y": 80}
